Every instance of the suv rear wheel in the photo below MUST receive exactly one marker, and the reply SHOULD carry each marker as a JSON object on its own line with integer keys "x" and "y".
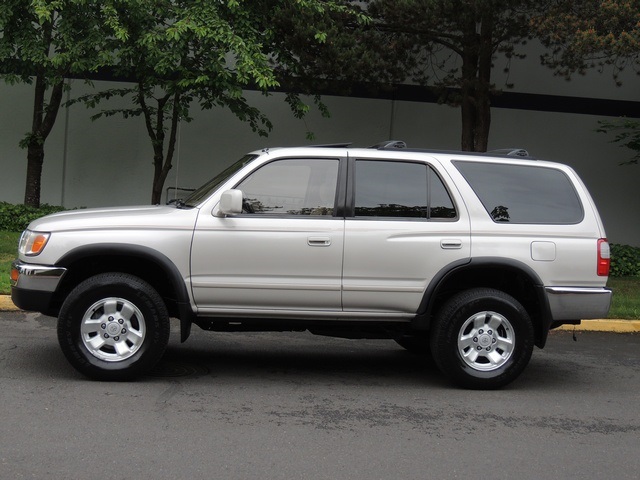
{"x": 482, "y": 339}
{"x": 113, "y": 326}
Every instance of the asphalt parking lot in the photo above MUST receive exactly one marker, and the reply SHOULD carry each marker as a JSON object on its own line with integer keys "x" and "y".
{"x": 298, "y": 406}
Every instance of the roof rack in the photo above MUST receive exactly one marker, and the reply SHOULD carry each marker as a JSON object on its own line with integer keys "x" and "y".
{"x": 510, "y": 152}
{"x": 389, "y": 144}
{"x": 332, "y": 145}
{"x": 503, "y": 152}
{"x": 401, "y": 145}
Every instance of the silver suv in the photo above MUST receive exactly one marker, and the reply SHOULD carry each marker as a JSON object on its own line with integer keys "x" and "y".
{"x": 472, "y": 258}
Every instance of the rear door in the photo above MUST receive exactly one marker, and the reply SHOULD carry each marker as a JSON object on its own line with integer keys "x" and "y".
{"x": 403, "y": 226}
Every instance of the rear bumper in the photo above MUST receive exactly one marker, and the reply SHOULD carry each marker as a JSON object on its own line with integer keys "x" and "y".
{"x": 576, "y": 303}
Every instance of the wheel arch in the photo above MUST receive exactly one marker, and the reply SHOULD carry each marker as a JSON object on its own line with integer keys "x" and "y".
{"x": 144, "y": 262}
{"x": 510, "y": 276}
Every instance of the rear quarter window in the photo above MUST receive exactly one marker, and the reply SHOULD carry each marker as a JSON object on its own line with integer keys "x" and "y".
{"x": 523, "y": 193}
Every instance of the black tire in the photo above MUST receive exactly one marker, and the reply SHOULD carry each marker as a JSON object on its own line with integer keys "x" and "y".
{"x": 113, "y": 326}
{"x": 482, "y": 339}
{"x": 416, "y": 344}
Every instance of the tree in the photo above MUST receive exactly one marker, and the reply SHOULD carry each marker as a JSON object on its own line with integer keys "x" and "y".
{"x": 453, "y": 46}
{"x": 41, "y": 42}
{"x": 337, "y": 51}
{"x": 590, "y": 34}
{"x": 181, "y": 53}
{"x": 627, "y": 135}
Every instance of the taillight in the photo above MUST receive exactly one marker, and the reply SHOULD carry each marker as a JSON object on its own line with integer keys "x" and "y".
{"x": 604, "y": 257}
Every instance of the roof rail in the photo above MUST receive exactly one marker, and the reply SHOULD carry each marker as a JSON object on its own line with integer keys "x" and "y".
{"x": 510, "y": 152}
{"x": 389, "y": 144}
{"x": 332, "y": 145}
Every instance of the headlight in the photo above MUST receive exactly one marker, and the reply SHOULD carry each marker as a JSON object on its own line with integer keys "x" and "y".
{"x": 32, "y": 243}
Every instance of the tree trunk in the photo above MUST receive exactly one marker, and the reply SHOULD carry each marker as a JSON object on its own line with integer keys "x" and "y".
{"x": 35, "y": 160}
{"x": 468, "y": 104}
{"x": 42, "y": 123}
{"x": 483, "y": 93}
{"x": 158, "y": 181}
{"x": 475, "y": 105}
{"x": 162, "y": 166}
{"x": 468, "y": 112}
{"x": 161, "y": 171}
{"x": 476, "y": 119}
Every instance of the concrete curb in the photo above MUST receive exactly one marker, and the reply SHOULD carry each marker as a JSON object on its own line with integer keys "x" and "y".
{"x": 606, "y": 325}
{"x": 6, "y": 305}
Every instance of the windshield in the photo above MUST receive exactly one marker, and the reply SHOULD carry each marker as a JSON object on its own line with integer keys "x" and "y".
{"x": 208, "y": 188}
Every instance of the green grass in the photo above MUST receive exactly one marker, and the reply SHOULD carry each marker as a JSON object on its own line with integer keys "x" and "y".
{"x": 8, "y": 253}
{"x": 626, "y": 297}
{"x": 626, "y": 290}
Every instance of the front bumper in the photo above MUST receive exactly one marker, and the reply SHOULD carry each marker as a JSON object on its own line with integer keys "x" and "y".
{"x": 33, "y": 286}
{"x": 578, "y": 303}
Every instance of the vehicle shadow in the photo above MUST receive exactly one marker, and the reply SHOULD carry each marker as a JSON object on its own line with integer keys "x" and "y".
{"x": 287, "y": 358}
{"x": 278, "y": 357}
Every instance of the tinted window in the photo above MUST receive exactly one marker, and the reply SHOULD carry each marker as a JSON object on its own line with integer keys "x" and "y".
{"x": 440, "y": 203}
{"x": 209, "y": 187}
{"x": 522, "y": 193}
{"x": 400, "y": 189}
{"x": 292, "y": 187}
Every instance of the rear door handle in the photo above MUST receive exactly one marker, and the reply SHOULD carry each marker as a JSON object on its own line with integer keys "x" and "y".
{"x": 318, "y": 241}
{"x": 451, "y": 244}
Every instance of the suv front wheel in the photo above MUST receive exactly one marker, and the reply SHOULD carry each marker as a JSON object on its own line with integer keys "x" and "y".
{"x": 482, "y": 338}
{"x": 113, "y": 326}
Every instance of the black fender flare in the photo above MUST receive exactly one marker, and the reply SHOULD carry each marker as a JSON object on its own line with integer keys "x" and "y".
{"x": 425, "y": 309}
{"x": 186, "y": 314}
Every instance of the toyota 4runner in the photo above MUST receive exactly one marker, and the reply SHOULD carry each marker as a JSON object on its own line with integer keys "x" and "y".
{"x": 470, "y": 257}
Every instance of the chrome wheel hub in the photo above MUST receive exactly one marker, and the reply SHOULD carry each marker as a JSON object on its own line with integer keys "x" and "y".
{"x": 486, "y": 341}
{"x": 113, "y": 329}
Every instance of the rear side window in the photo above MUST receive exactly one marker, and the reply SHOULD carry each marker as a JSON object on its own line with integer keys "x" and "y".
{"x": 523, "y": 193}
{"x": 400, "y": 189}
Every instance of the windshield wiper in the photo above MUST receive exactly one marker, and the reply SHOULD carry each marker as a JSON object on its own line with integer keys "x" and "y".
{"x": 179, "y": 203}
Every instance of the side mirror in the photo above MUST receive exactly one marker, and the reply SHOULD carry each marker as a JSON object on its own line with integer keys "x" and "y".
{"x": 230, "y": 203}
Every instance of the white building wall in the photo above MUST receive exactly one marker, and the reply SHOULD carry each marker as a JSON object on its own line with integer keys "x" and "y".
{"x": 109, "y": 161}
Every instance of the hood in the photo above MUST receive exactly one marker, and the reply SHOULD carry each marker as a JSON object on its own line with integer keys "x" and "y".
{"x": 149, "y": 216}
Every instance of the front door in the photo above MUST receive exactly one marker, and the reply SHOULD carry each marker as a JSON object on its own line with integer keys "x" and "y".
{"x": 283, "y": 253}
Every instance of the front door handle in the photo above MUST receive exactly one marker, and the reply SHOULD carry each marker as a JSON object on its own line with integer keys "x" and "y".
{"x": 318, "y": 241}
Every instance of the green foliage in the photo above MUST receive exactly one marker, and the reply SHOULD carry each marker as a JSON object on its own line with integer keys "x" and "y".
{"x": 627, "y": 135}
{"x": 45, "y": 41}
{"x": 15, "y": 218}
{"x": 8, "y": 253}
{"x": 625, "y": 260}
{"x": 584, "y": 34}
{"x": 325, "y": 46}
{"x": 41, "y": 43}
{"x": 453, "y": 47}
{"x": 183, "y": 54}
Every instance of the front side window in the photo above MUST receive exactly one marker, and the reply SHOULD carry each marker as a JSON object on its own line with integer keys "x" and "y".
{"x": 400, "y": 189}
{"x": 523, "y": 193}
{"x": 208, "y": 188}
{"x": 292, "y": 187}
